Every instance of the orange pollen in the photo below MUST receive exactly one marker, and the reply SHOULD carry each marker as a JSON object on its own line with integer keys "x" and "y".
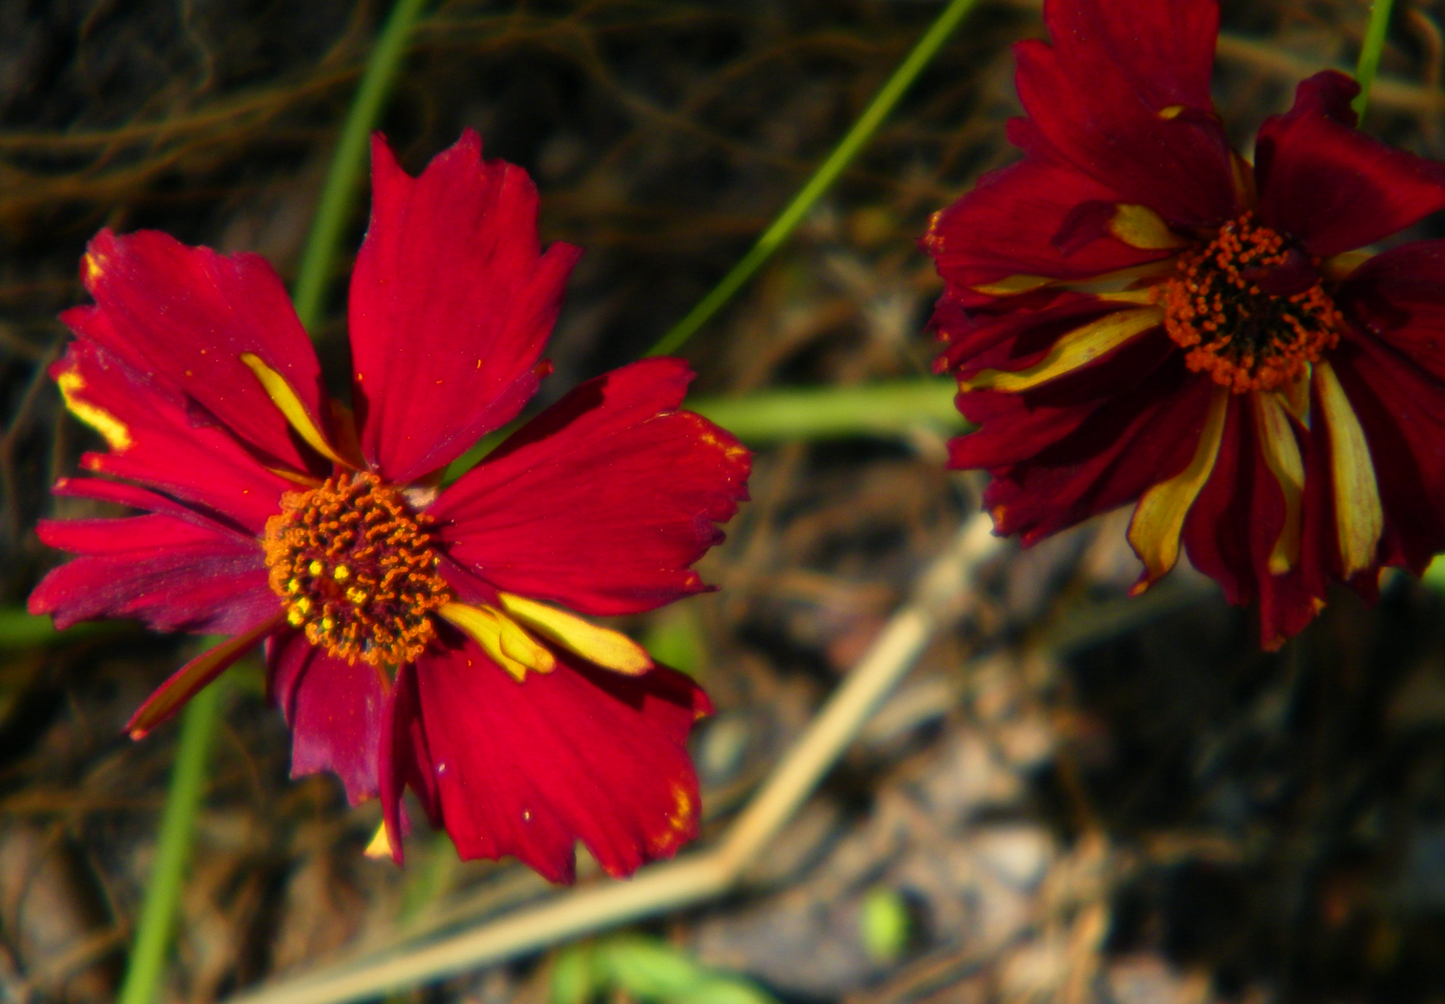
{"x": 1250, "y": 309}
{"x": 356, "y": 569}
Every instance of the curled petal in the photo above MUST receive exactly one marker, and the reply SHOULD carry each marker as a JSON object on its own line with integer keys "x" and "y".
{"x": 1401, "y": 410}
{"x": 187, "y": 315}
{"x": 527, "y": 769}
{"x": 1159, "y": 517}
{"x": 187, "y": 681}
{"x": 603, "y": 501}
{"x": 451, "y": 257}
{"x": 1331, "y": 186}
{"x": 1008, "y": 224}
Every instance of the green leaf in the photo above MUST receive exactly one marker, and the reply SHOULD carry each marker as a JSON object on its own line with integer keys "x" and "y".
{"x": 885, "y": 924}
{"x": 575, "y": 979}
{"x": 651, "y": 970}
{"x": 726, "y": 990}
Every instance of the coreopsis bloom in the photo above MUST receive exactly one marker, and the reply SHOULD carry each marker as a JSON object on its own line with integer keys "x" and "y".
{"x": 417, "y": 636}
{"x": 1137, "y": 315}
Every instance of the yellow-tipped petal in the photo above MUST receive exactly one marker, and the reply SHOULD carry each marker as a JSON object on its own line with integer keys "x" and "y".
{"x": 1078, "y": 348}
{"x": 380, "y": 846}
{"x": 606, "y": 648}
{"x": 116, "y": 434}
{"x": 1140, "y": 227}
{"x": 501, "y": 638}
{"x": 289, "y": 404}
{"x": 1359, "y": 516}
{"x": 1159, "y": 518}
{"x": 1282, "y": 456}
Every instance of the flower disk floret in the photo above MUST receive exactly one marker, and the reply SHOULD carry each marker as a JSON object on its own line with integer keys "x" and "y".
{"x": 1138, "y": 316}
{"x": 418, "y": 636}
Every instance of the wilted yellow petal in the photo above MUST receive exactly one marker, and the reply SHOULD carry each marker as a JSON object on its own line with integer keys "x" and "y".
{"x": 1159, "y": 518}
{"x": 1282, "y": 456}
{"x": 289, "y": 404}
{"x": 1012, "y": 285}
{"x": 607, "y": 648}
{"x": 1359, "y": 516}
{"x": 501, "y": 638}
{"x": 1078, "y": 348}
{"x": 1140, "y": 227}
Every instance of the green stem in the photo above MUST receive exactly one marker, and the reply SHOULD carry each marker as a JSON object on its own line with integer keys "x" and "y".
{"x": 346, "y": 165}
{"x": 152, "y": 937}
{"x": 163, "y": 888}
{"x": 820, "y": 182}
{"x": 888, "y": 408}
{"x": 877, "y": 409}
{"x": 1370, "y": 53}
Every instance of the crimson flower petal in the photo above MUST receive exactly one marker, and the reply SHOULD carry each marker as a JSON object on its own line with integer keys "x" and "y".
{"x": 1234, "y": 523}
{"x": 527, "y": 769}
{"x": 1128, "y": 443}
{"x": 173, "y": 573}
{"x": 188, "y": 314}
{"x": 451, "y": 257}
{"x": 1399, "y": 296}
{"x": 1123, "y": 93}
{"x": 153, "y": 440}
{"x": 1331, "y": 186}
{"x": 336, "y": 711}
{"x": 602, "y": 501}
{"x": 1008, "y": 224}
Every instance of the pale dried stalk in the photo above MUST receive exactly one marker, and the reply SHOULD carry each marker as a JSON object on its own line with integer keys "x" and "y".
{"x": 943, "y": 593}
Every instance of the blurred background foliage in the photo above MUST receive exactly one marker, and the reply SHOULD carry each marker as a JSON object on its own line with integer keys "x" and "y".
{"x": 1075, "y": 797}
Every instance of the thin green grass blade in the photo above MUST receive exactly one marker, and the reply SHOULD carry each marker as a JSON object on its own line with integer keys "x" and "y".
{"x": 346, "y": 166}
{"x": 821, "y": 181}
{"x": 146, "y": 964}
{"x": 1370, "y": 53}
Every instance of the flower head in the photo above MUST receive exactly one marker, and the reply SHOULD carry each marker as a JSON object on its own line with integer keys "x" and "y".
{"x": 417, "y": 635}
{"x": 1137, "y": 315}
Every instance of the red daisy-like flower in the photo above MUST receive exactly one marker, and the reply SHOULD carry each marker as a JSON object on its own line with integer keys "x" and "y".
{"x": 412, "y": 639}
{"x": 1135, "y": 314}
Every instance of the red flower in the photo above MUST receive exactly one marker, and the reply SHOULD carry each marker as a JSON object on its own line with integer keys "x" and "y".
{"x": 1135, "y": 314}
{"x": 411, "y": 639}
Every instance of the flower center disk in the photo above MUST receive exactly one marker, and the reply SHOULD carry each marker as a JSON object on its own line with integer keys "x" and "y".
{"x": 1250, "y": 309}
{"x": 356, "y": 569}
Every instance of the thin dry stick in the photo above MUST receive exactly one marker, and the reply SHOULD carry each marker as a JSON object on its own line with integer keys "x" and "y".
{"x": 943, "y": 593}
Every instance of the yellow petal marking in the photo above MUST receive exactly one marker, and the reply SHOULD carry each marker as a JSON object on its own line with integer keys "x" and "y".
{"x": 1078, "y": 348}
{"x": 1159, "y": 517}
{"x": 501, "y": 638}
{"x": 116, "y": 434}
{"x": 1282, "y": 456}
{"x": 1295, "y": 398}
{"x": 1012, "y": 285}
{"x": 380, "y": 846}
{"x": 606, "y": 648}
{"x": 289, "y": 404}
{"x": 1140, "y": 227}
{"x": 1359, "y": 517}
{"x": 1171, "y": 112}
